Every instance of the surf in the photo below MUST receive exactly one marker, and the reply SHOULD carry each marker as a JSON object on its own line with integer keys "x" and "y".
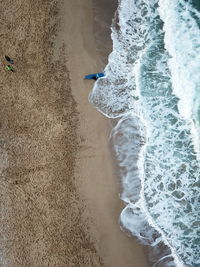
{"x": 154, "y": 137}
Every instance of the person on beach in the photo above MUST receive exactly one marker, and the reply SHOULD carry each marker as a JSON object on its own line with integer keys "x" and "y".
{"x": 10, "y": 61}
{"x": 8, "y": 67}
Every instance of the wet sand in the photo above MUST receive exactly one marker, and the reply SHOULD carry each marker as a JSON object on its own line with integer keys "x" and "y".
{"x": 103, "y": 13}
{"x": 99, "y": 184}
{"x": 58, "y": 194}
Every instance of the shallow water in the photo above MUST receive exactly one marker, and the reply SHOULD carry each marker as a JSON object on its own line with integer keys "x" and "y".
{"x": 152, "y": 84}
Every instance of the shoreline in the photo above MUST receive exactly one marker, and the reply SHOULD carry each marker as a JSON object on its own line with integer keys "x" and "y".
{"x": 103, "y": 14}
{"x": 95, "y": 168}
{"x": 59, "y": 189}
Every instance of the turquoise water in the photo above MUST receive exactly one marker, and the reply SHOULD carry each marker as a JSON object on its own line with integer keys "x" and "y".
{"x": 152, "y": 85}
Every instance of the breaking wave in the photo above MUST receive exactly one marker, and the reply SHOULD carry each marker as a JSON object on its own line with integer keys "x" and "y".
{"x": 152, "y": 85}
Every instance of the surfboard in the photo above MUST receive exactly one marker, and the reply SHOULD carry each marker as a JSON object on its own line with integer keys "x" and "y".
{"x": 94, "y": 76}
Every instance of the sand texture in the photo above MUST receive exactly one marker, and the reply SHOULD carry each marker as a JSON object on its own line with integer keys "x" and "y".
{"x": 41, "y": 213}
{"x": 58, "y": 194}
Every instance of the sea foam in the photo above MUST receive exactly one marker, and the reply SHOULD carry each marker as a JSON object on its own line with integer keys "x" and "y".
{"x": 153, "y": 138}
{"x": 182, "y": 31}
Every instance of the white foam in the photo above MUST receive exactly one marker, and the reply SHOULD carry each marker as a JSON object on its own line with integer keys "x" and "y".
{"x": 129, "y": 131}
{"x": 182, "y": 42}
{"x": 114, "y": 94}
{"x": 151, "y": 213}
{"x": 163, "y": 157}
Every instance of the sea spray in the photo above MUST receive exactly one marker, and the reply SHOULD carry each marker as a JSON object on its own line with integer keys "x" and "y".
{"x": 153, "y": 139}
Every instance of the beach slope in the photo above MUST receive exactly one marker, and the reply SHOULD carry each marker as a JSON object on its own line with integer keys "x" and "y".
{"x": 58, "y": 194}
{"x": 96, "y": 172}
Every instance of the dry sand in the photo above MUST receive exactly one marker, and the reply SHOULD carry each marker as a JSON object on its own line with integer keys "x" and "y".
{"x": 58, "y": 194}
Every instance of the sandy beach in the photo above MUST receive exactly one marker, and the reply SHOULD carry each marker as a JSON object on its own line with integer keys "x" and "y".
{"x": 59, "y": 188}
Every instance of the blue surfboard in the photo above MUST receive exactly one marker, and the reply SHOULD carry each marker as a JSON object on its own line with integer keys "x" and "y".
{"x": 94, "y": 76}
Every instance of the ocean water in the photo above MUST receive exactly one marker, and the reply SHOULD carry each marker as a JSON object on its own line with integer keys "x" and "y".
{"x": 152, "y": 85}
